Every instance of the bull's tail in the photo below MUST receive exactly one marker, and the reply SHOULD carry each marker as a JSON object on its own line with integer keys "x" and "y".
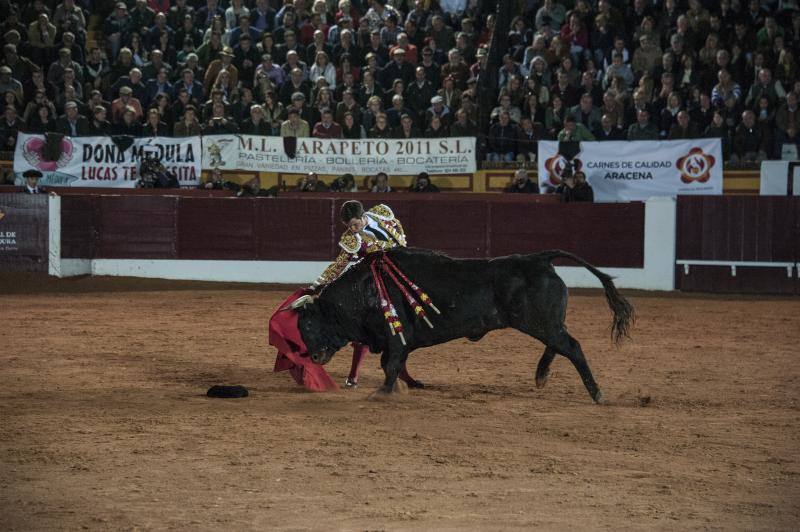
{"x": 624, "y": 315}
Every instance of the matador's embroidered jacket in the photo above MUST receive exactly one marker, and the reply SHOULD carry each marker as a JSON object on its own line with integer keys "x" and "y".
{"x": 382, "y": 231}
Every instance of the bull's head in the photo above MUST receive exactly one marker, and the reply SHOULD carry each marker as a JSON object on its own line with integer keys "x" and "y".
{"x": 318, "y": 329}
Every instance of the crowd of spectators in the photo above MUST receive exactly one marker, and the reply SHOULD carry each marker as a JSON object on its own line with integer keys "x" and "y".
{"x": 572, "y": 70}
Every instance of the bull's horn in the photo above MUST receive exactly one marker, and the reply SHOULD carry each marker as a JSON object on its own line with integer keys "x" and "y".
{"x": 302, "y": 301}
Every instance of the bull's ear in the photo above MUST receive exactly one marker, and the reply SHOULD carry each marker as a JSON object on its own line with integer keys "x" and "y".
{"x": 302, "y": 302}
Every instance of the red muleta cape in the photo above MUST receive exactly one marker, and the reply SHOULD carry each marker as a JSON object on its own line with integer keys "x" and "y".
{"x": 292, "y": 353}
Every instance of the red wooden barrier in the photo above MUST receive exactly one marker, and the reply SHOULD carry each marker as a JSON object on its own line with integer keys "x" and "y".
{"x": 307, "y": 227}
{"x": 738, "y": 228}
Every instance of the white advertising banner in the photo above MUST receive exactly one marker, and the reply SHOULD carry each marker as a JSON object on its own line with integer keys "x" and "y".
{"x": 636, "y": 171}
{"x": 455, "y": 155}
{"x": 100, "y": 162}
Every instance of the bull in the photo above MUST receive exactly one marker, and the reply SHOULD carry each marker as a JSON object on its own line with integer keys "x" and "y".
{"x": 475, "y": 296}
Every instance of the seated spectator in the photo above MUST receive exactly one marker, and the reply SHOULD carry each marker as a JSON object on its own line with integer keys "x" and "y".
{"x": 719, "y": 129}
{"x": 32, "y": 178}
{"x": 406, "y": 129}
{"x": 351, "y": 129}
{"x": 10, "y": 125}
{"x": 683, "y": 128}
{"x": 436, "y": 130}
{"x": 586, "y": 113}
{"x": 643, "y": 128}
{"x": 574, "y": 131}
{"x": 422, "y": 183}
{"x": 381, "y": 129}
{"x": 528, "y": 140}
{"x": 41, "y": 121}
{"x": 381, "y": 184}
{"x": 521, "y": 184}
{"x": 502, "y": 140}
{"x": 294, "y": 126}
{"x": 463, "y": 126}
{"x": 188, "y": 125}
{"x": 765, "y": 86}
{"x": 121, "y": 105}
{"x": 219, "y": 123}
{"x": 326, "y": 128}
{"x": 575, "y": 188}
{"x": 439, "y": 109}
{"x": 344, "y": 183}
{"x": 98, "y": 125}
{"x": 787, "y": 123}
{"x": 256, "y": 123}
{"x": 154, "y": 126}
{"x": 311, "y": 183}
{"x": 215, "y": 181}
{"x": 608, "y": 130}
{"x": 514, "y": 113}
{"x": 72, "y": 124}
{"x": 748, "y": 141}
{"x": 129, "y": 125}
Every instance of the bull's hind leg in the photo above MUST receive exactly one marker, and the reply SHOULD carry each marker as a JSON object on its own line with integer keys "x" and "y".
{"x": 543, "y": 369}
{"x": 568, "y": 346}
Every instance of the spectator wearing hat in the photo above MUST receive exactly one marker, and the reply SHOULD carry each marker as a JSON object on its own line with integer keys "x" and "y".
{"x": 72, "y": 124}
{"x": 398, "y": 68}
{"x": 294, "y": 125}
{"x": 31, "y": 186}
{"x": 123, "y": 103}
{"x": 225, "y": 62}
{"x": 439, "y": 109}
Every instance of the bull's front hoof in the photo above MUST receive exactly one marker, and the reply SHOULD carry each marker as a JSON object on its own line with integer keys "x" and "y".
{"x": 541, "y": 380}
{"x": 598, "y": 398}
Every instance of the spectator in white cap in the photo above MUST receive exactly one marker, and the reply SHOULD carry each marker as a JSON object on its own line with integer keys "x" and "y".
{"x": 437, "y": 108}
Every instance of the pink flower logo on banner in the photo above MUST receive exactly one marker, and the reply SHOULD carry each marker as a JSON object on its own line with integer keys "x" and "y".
{"x": 33, "y": 151}
{"x": 555, "y": 168}
{"x": 695, "y": 166}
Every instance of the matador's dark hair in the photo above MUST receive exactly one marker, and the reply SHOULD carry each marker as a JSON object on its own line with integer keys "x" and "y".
{"x": 351, "y": 209}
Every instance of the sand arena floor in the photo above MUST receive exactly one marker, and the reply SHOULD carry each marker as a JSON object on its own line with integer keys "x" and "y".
{"x": 104, "y": 423}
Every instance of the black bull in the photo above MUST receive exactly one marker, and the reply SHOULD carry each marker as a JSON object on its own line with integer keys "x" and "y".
{"x": 475, "y": 296}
